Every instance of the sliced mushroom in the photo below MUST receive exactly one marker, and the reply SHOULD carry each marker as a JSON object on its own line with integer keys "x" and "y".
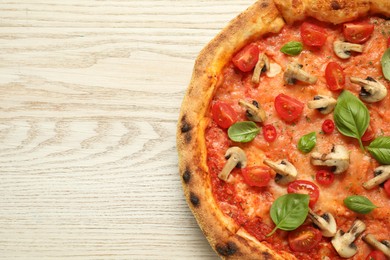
{"x": 372, "y": 91}
{"x": 262, "y": 65}
{"x": 383, "y": 246}
{"x": 235, "y": 158}
{"x": 343, "y": 49}
{"x": 295, "y": 72}
{"x": 326, "y": 223}
{"x": 344, "y": 242}
{"x": 323, "y": 104}
{"x": 285, "y": 171}
{"x": 274, "y": 69}
{"x": 254, "y": 111}
{"x": 382, "y": 174}
{"x": 338, "y": 159}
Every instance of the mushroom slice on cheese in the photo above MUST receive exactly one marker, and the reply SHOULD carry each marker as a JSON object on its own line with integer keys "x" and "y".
{"x": 326, "y": 223}
{"x": 254, "y": 111}
{"x": 372, "y": 91}
{"x": 295, "y": 72}
{"x": 343, "y": 49}
{"x": 338, "y": 159}
{"x": 382, "y": 174}
{"x": 235, "y": 158}
{"x": 262, "y": 65}
{"x": 383, "y": 245}
{"x": 323, "y": 104}
{"x": 285, "y": 171}
{"x": 344, "y": 242}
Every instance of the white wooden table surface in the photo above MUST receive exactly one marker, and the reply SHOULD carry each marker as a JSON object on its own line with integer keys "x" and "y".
{"x": 90, "y": 92}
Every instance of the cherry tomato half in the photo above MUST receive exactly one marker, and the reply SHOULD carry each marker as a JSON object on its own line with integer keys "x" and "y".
{"x": 258, "y": 176}
{"x": 369, "y": 134}
{"x": 269, "y": 132}
{"x": 313, "y": 35}
{"x": 305, "y": 187}
{"x": 376, "y": 255}
{"x": 328, "y": 126}
{"x": 304, "y": 238}
{"x": 223, "y": 114}
{"x": 334, "y": 75}
{"x": 325, "y": 177}
{"x": 357, "y": 32}
{"x": 387, "y": 187}
{"x": 288, "y": 108}
{"x": 247, "y": 58}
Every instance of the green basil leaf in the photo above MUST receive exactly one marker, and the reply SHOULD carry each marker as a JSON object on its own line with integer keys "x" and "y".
{"x": 380, "y": 149}
{"x": 289, "y": 211}
{"x": 351, "y": 116}
{"x": 307, "y": 142}
{"x": 385, "y": 62}
{"x": 359, "y": 204}
{"x": 292, "y": 48}
{"x": 243, "y": 132}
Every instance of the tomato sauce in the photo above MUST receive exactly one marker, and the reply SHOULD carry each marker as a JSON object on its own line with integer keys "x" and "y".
{"x": 249, "y": 206}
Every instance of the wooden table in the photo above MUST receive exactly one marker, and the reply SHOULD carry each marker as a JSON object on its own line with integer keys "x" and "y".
{"x": 89, "y": 100}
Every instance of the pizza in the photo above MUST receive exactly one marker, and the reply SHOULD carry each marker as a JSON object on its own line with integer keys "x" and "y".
{"x": 284, "y": 132}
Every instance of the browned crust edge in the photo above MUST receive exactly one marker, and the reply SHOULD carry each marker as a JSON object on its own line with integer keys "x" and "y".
{"x": 225, "y": 237}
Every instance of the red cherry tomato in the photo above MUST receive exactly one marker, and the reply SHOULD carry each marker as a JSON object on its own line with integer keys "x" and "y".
{"x": 269, "y": 132}
{"x": 304, "y": 238}
{"x": 357, "y": 32}
{"x": 325, "y": 177}
{"x": 376, "y": 255}
{"x": 369, "y": 134}
{"x": 334, "y": 75}
{"x": 387, "y": 187}
{"x": 288, "y": 108}
{"x": 223, "y": 114}
{"x": 258, "y": 176}
{"x": 305, "y": 187}
{"x": 247, "y": 57}
{"x": 313, "y": 35}
{"x": 328, "y": 126}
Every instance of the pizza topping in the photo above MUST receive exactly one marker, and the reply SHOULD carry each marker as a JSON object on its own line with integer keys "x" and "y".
{"x": 344, "y": 242}
{"x": 380, "y": 149}
{"x": 382, "y": 174}
{"x": 359, "y": 204}
{"x": 258, "y": 176}
{"x": 343, "y": 49}
{"x": 369, "y": 134}
{"x": 328, "y": 126}
{"x": 246, "y": 58}
{"x": 295, "y": 72}
{"x": 307, "y": 142}
{"x": 313, "y": 35}
{"x": 243, "y": 132}
{"x": 292, "y": 48}
{"x": 383, "y": 246}
{"x": 235, "y": 158}
{"x": 334, "y": 75}
{"x": 223, "y": 114}
{"x": 304, "y": 238}
{"x": 326, "y": 223}
{"x": 305, "y": 187}
{"x": 323, "y": 104}
{"x": 254, "y": 111}
{"x": 371, "y": 91}
{"x": 269, "y": 133}
{"x": 324, "y": 177}
{"x": 288, "y": 108}
{"x": 385, "y": 62}
{"x": 338, "y": 159}
{"x": 262, "y": 65}
{"x": 285, "y": 171}
{"x": 274, "y": 69}
{"x": 357, "y": 32}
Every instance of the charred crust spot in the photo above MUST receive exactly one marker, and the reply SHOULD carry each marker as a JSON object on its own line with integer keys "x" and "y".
{"x": 335, "y": 5}
{"x": 227, "y": 250}
{"x": 185, "y": 126}
{"x": 194, "y": 199}
{"x": 188, "y": 138}
{"x": 266, "y": 256}
{"x": 264, "y": 4}
{"x": 187, "y": 176}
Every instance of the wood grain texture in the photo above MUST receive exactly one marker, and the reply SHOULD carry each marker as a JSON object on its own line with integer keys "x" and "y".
{"x": 90, "y": 93}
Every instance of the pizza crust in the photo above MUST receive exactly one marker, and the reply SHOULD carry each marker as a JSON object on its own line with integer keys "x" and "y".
{"x": 263, "y": 17}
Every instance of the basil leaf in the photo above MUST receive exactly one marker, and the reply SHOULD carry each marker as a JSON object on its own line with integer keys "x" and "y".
{"x": 351, "y": 116}
{"x": 380, "y": 149}
{"x": 359, "y": 204}
{"x": 243, "y": 132}
{"x": 307, "y": 142}
{"x": 385, "y": 62}
{"x": 292, "y": 48}
{"x": 289, "y": 211}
